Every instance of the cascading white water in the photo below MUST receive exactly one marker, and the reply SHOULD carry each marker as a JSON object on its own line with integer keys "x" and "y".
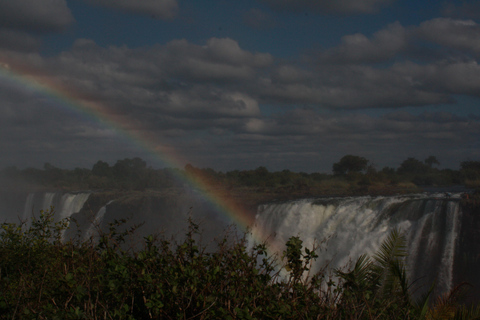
{"x": 49, "y": 200}
{"x": 71, "y": 203}
{"x": 358, "y": 225}
{"x": 28, "y": 207}
{"x": 64, "y": 204}
{"x": 96, "y": 222}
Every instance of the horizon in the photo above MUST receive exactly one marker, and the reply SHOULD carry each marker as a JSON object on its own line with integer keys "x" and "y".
{"x": 238, "y": 85}
{"x": 149, "y": 165}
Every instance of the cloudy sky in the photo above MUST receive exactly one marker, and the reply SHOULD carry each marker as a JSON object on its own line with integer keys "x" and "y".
{"x": 286, "y": 84}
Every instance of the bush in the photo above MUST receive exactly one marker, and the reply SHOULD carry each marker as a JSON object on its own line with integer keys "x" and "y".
{"x": 44, "y": 277}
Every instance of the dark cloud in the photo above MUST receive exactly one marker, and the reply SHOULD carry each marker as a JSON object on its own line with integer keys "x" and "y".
{"x": 178, "y": 78}
{"x": 307, "y": 123}
{"x": 227, "y": 107}
{"x": 258, "y": 19}
{"x": 353, "y": 87}
{"x": 220, "y": 79}
{"x": 325, "y": 137}
{"x": 23, "y": 22}
{"x": 35, "y": 15}
{"x": 329, "y": 6}
{"x": 157, "y": 9}
{"x": 466, "y": 10}
{"x": 448, "y": 77}
{"x": 18, "y": 41}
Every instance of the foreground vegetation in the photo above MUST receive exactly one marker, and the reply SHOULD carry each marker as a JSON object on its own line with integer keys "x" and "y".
{"x": 44, "y": 277}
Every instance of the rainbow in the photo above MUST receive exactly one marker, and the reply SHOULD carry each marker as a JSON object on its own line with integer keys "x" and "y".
{"x": 26, "y": 76}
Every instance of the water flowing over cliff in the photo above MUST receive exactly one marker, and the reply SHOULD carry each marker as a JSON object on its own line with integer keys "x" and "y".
{"x": 164, "y": 213}
{"x": 439, "y": 232}
{"x": 356, "y": 225}
{"x": 65, "y": 204}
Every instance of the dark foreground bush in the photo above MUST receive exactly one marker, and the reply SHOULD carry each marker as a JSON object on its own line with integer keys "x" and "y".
{"x": 43, "y": 277}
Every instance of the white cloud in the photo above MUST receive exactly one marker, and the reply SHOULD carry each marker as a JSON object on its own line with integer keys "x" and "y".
{"x": 357, "y": 48}
{"x": 439, "y": 38}
{"x": 456, "y": 34}
{"x": 255, "y": 125}
{"x": 218, "y": 59}
{"x": 220, "y": 79}
{"x": 158, "y": 9}
{"x": 179, "y": 79}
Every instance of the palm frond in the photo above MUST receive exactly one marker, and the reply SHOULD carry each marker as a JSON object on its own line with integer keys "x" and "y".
{"x": 447, "y": 305}
{"x": 390, "y": 269}
{"x": 394, "y": 247}
{"x": 362, "y": 267}
{"x": 399, "y": 276}
{"x": 464, "y": 313}
{"x": 360, "y": 276}
{"x": 423, "y": 303}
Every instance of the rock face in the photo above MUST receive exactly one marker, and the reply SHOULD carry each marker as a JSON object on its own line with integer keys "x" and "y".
{"x": 467, "y": 262}
{"x": 164, "y": 213}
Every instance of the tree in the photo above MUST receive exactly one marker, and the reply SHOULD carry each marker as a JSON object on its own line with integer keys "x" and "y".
{"x": 102, "y": 169}
{"x": 470, "y": 170}
{"x": 470, "y": 165}
{"x": 52, "y": 173}
{"x": 189, "y": 169}
{"x": 431, "y": 160}
{"x": 412, "y": 166}
{"x": 80, "y": 174}
{"x": 131, "y": 173}
{"x": 261, "y": 171}
{"x": 350, "y": 164}
{"x": 129, "y": 168}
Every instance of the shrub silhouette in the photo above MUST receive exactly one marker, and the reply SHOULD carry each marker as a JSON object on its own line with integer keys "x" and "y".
{"x": 44, "y": 277}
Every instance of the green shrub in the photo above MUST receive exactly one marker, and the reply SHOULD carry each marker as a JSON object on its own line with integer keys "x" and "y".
{"x": 44, "y": 277}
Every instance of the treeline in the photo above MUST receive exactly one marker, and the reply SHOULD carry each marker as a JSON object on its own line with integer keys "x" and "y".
{"x": 126, "y": 174}
{"x": 351, "y": 173}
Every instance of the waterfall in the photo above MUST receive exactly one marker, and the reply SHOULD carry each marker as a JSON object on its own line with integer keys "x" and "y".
{"x": 353, "y": 226}
{"x": 71, "y": 203}
{"x": 64, "y": 204}
{"x": 96, "y": 222}
{"x": 344, "y": 228}
{"x": 28, "y": 207}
